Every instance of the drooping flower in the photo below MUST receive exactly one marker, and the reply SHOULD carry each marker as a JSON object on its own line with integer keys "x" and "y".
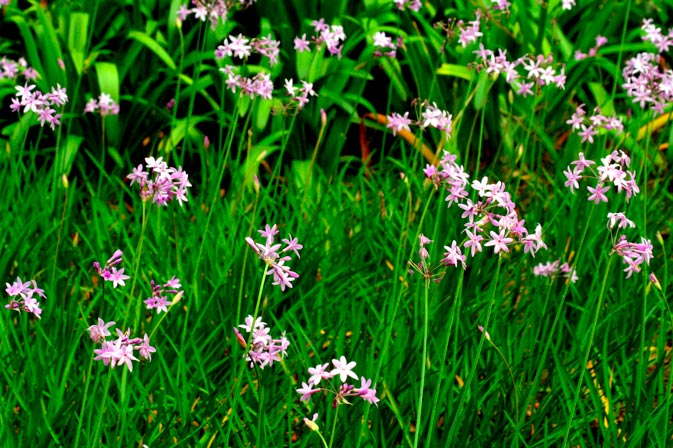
{"x": 272, "y": 254}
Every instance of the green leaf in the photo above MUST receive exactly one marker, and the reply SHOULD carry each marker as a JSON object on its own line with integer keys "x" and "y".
{"x": 77, "y": 38}
{"x": 153, "y": 46}
{"x": 458, "y": 71}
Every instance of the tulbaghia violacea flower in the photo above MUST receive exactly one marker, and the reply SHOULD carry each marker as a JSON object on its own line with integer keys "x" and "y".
{"x": 10, "y": 69}
{"x": 263, "y": 349}
{"x": 332, "y": 36}
{"x": 587, "y": 127}
{"x": 165, "y": 185}
{"x": 258, "y": 85}
{"x": 633, "y": 254}
{"x": 494, "y": 212}
{"x": 22, "y": 297}
{"x": 212, "y": 10}
{"x": 114, "y": 352}
{"x": 593, "y": 51}
{"x": 431, "y": 116}
{"x": 241, "y": 47}
{"x": 538, "y": 69}
{"x": 414, "y": 5}
{"x": 556, "y": 269}
{"x": 612, "y": 170}
{"x": 40, "y": 103}
{"x": 105, "y": 105}
{"x": 300, "y": 94}
{"x": 159, "y": 301}
{"x": 470, "y": 33}
{"x": 109, "y": 272}
{"x": 273, "y": 256}
{"x": 384, "y": 45}
{"x": 343, "y": 370}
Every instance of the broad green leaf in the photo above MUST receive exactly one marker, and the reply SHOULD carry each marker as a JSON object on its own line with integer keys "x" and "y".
{"x": 153, "y": 46}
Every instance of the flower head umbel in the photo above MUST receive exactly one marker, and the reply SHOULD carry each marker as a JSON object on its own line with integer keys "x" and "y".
{"x": 492, "y": 217}
{"x": 612, "y": 171}
{"x": 263, "y": 349}
{"x": 160, "y": 183}
{"x": 331, "y": 36}
{"x": 556, "y": 269}
{"x": 22, "y": 297}
{"x": 159, "y": 301}
{"x": 275, "y": 257}
{"x": 343, "y": 370}
{"x": 43, "y": 104}
{"x": 633, "y": 254}
{"x": 114, "y": 352}
{"x": 105, "y": 105}
{"x": 109, "y": 272}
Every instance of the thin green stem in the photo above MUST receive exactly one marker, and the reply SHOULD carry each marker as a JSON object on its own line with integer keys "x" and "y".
{"x": 587, "y": 352}
{"x": 419, "y": 408}
{"x": 333, "y": 432}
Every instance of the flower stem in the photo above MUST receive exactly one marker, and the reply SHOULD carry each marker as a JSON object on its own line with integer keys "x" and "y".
{"x": 585, "y": 360}
{"x": 331, "y": 436}
{"x": 419, "y": 409}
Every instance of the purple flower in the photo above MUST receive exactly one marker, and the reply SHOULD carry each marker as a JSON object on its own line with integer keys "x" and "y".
{"x": 283, "y": 276}
{"x": 166, "y": 185}
{"x": 343, "y": 368}
{"x": 263, "y": 349}
{"x": 158, "y": 300}
{"x": 22, "y": 297}
{"x": 100, "y": 331}
{"x": 109, "y": 272}
{"x": 598, "y": 194}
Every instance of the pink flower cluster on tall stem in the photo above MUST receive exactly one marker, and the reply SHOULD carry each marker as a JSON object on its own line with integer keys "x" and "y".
{"x": 344, "y": 370}
{"x": 166, "y": 185}
{"x": 633, "y": 254}
{"x": 588, "y": 127}
{"x": 159, "y": 301}
{"x": 263, "y": 350}
{"x": 109, "y": 272}
{"x": 431, "y": 117}
{"x": 40, "y": 103}
{"x": 114, "y": 352}
{"x": 613, "y": 170}
{"x": 22, "y": 297}
{"x": 539, "y": 70}
{"x": 494, "y": 212}
{"x": 105, "y": 105}
{"x": 283, "y": 276}
{"x": 10, "y": 69}
{"x": 332, "y": 36}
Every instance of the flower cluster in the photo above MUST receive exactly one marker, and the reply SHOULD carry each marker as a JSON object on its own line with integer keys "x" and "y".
{"x": 212, "y": 10}
{"x": 109, "y": 272}
{"x": 555, "y": 269}
{"x": 568, "y": 4}
{"x": 40, "y": 103}
{"x": 654, "y": 35}
{"x": 633, "y": 254}
{"x": 259, "y": 85}
{"x": 118, "y": 351}
{"x": 22, "y": 297}
{"x": 159, "y": 301}
{"x": 331, "y": 35}
{"x": 384, "y": 45}
{"x": 538, "y": 70}
{"x": 600, "y": 41}
{"x": 414, "y": 5}
{"x": 494, "y": 209}
{"x": 432, "y": 117}
{"x": 10, "y": 69}
{"x": 4, "y": 2}
{"x": 344, "y": 370}
{"x": 105, "y": 105}
{"x": 500, "y": 5}
{"x": 300, "y": 94}
{"x": 167, "y": 184}
{"x": 589, "y": 127}
{"x": 470, "y": 33}
{"x": 423, "y": 267}
{"x": 648, "y": 82}
{"x": 241, "y": 47}
{"x": 283, "y": 276}
{"x": 263, "y": 349}
{"x": 612, "y": 170}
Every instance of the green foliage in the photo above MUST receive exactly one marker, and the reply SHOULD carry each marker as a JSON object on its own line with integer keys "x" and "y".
{"x": 559, "y": 363}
